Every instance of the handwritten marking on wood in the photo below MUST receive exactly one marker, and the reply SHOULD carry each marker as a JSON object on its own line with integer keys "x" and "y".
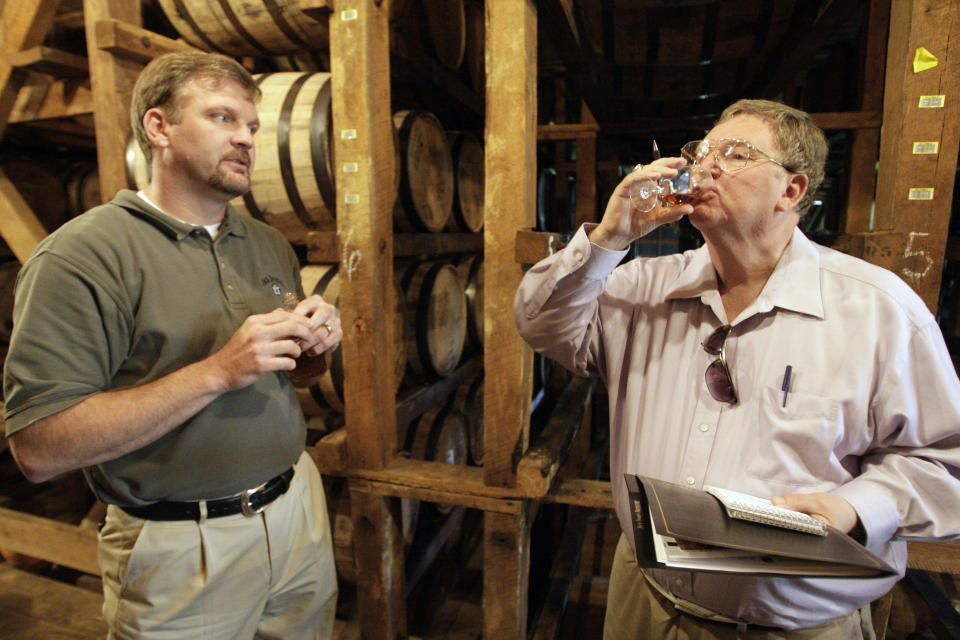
{"x": 910, "y": 252}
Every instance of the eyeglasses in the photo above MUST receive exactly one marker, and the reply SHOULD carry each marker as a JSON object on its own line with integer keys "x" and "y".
{"x": 730, "y": 154}
{"x": 718, "y": 378}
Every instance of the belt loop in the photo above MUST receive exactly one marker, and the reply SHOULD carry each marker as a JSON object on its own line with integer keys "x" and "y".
{"x": 202, "y": 505}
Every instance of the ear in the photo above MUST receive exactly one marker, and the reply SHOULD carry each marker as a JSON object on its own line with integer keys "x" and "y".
{"x": 793, "y": 191}
{"x": 156, "y": 124}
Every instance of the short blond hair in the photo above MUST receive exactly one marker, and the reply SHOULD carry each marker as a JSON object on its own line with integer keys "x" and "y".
{"x": 800, "y": 140}
{"x": 160, "y": 83}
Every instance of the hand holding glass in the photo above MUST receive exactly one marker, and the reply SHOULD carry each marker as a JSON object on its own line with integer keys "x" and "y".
{"x": 308, "y": 367}
{"x": 680, "y": 189}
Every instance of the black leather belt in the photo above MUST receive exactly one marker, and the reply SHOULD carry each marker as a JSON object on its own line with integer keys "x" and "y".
{"x": 249, "y": 503}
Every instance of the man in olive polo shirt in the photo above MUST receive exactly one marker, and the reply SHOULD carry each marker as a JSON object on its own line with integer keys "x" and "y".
{"x": 150, "y": 349}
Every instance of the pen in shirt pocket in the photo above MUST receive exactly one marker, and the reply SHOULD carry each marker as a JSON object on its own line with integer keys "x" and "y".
{"x": 785, "y": 387}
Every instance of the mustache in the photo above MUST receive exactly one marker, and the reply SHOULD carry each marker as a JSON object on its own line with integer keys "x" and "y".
{"x": 242, "y": 156}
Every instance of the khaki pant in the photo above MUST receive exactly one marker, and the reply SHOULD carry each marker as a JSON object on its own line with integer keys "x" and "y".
{"x": 637, "y": 611}
{"x": 268, "y": 576}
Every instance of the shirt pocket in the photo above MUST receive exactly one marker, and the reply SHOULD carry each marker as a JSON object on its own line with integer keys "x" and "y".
{"x": 795, "y": 443}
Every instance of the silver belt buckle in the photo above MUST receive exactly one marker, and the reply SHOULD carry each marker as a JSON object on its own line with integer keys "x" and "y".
{"x": 245, "y": 506}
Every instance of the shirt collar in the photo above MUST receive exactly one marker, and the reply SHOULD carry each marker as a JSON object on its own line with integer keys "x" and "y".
{"x": 233, "y": 222}
{"x": 794, "y": 284}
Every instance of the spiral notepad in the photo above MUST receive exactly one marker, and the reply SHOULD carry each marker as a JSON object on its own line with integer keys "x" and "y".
{"x": 747, "y": 507}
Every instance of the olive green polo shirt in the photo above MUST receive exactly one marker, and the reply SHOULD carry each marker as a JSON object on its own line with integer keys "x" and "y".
{"x": 123, "y": 295}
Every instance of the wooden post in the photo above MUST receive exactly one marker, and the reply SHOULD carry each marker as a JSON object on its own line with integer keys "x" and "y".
{"x": 915, "y": 186}
{"x": 506, "y": 571}
{"x": 865, "y": 146}
{"x": 111, "y": 80}
{"x": 510, "y": 204}
{"x": 19, "y": 225}
{"x": 360, "y": 77}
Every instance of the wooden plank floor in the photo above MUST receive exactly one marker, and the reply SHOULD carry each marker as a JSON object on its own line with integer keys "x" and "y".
{"x": 39, "y": 608}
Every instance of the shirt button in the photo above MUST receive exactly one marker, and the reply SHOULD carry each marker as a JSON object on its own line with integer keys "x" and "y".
{"x": 578, "y": 255}
{"x": 229, "y": 287}
{"x": 704, "y": 428}
{"x": 691, "y": 480}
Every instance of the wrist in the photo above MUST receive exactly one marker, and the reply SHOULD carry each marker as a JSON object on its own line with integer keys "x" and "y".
{"x": 601, "y": 238}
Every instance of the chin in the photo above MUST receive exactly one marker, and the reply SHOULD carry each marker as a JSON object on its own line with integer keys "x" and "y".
{"x": 232, "y": 188}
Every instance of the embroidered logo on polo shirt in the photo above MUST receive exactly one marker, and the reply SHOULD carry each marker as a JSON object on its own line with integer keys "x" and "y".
{"x": 274, "y": 284}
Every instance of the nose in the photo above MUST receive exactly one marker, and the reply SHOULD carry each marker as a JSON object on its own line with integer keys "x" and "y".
{"x": 699, "y": 176}
{"x": 709, "y": 164}
{"x": 243, "y": 138}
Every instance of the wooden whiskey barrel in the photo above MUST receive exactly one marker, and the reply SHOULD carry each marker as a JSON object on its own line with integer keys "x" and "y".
{"x": 83, "y": 187}
{"x": 468, "y": 400}
{"x": 436, "y": 318}
{"x": 250, "y": 27}
{"x": 427, "y": 183}
{"x": 292, "y": 184}
{"x": 467, "y": 152}
{"x": 439, "y": 435}
{"x": 326, "y": 393}
{"x": 446, "y": 25}
{"x": 432, "y": 27}
{"x": 470, "y": 270}
{"x": 138, "y": 171}
{"x": 341, "y": 525}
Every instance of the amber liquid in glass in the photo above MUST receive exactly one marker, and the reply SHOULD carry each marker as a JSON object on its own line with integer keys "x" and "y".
{"x": 680, "y": 198}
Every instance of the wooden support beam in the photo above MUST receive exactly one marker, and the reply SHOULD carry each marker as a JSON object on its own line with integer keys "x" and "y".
{"x": 586, "y": 171}
{"x": 360, "y": 80}
{"x": 582, "y": 493}
{"x": 49, "y": 540}
{"x": 19, "y": 225}
{"x": 134, "y": 42}
{"x": 330, "y": 453}
{"x": 24, "y": 25}
{"x": 419, "y": 401}
{"x": 378, "y": 554}
{"x": 358, "y": 49}
{"x": 438, "y": 482}
{"x": 538, "y": 468}
{"x": 48, "y": 608}
{"x": 442, "y": 482}
{"x": 506, "y": 573}
{"x": 510, "y": 204}
{"x": 934, "y": 556}
{"x": 43, "y": 98}
{"x": 915, "y": 190}
{"x": 574, "y": 131}
{"x": 533, "y": 246}
{"x": 111, "y": 80}
{"x": 861, "y": 176}
{"x": 61, "y": 64}
{"x": 452, "y": 484}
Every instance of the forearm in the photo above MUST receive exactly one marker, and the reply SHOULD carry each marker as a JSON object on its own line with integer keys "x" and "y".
{"x": 110, "y": 424}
